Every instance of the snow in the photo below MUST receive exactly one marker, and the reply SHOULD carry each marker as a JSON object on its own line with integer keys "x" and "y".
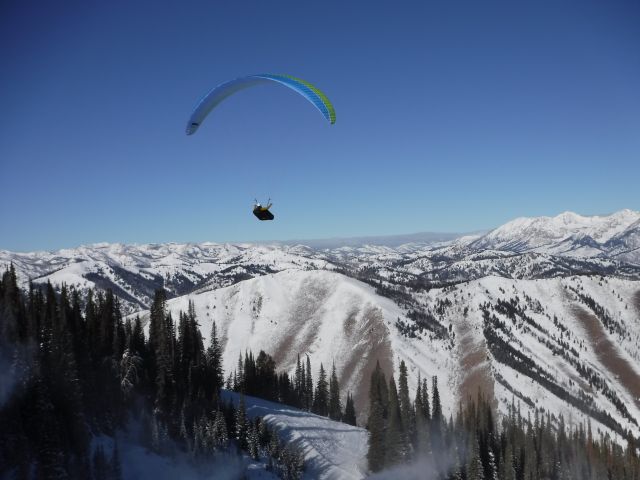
{"x": 527, "y": 233}
{"x": 297, "y": 303}
{"x": 332, "y": 450}
{"x": 140, "y": 463}
{"x": 326, "y": 315}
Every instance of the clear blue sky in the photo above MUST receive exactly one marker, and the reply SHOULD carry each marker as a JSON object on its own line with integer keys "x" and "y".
{"x": 451, "y": 116}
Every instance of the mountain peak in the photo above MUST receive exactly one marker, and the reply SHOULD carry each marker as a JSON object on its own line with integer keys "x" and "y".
{"x": 527, "y": 233}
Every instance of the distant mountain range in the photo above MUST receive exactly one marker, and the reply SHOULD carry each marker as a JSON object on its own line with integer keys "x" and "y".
{"x": 543, "y": 311}
{"x": 525, "y": 248}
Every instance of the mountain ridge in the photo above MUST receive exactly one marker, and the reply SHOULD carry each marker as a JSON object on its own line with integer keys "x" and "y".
{"x": 527, "y": 311}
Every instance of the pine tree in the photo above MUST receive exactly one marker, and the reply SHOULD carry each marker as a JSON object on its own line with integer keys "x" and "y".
{"x": 321, "y": 397}
{"x": 161, "y": 339}
{"x": 221, "y": 436}
{"x": 199, "y": 445}
{"x": 299, "y": 383}
{"x": 308, "y": 387}
{"x": 376, "y": 422}
{"x": 130, "y": 367}
{"x": 475, "y": 469}
{"x": 349, "y": 411}
{"x": 407, "y": 414}
{"x": 241, "y": 424}
{"x": 252, "y": 441}
{"x": 214, "y": 362}
{"x": 421, "y": 437}
{"x": 238, "y": 384}
{"x": 266, "y": 378}
{"x": 335, "y": 408}
{"x": 378, "y": 390}
{"x": 426, "y": 405}
{"x": 396, "y": 450}
{"x": 436, "y": 419}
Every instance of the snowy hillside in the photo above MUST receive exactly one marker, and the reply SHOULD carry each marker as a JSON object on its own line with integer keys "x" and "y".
{"x": 569, "y": 345}
{"x": 332, "y": 450}
{"x": 543, "y": 247}
{"x": 567, "y": 233}
{"x": 133, "y": 272}
{"x": 326, "y": 315}
{"x": 545, "y": 311}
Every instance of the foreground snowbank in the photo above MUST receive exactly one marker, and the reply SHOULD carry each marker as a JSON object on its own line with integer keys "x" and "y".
{"x": 333, "y": 450}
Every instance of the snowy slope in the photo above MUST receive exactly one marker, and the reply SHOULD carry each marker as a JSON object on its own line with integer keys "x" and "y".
{"x": 135, "y": 271}
{"x": 584, "y": 356}
{"x": 541, "y": 311}
{"x": 332, "y": 450}
{"x": 523, "y": 234}
{"x": 326, "y": 315}
{"x": 555, "y": 328}
{"x": 625, "y": 246}
{"x": 542, "y": 247}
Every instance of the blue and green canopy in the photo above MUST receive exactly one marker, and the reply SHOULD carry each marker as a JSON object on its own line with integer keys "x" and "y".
{"x": 212, "y": 99}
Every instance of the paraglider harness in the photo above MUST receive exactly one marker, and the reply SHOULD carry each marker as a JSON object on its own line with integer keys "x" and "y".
{"x": 261, "y": 212}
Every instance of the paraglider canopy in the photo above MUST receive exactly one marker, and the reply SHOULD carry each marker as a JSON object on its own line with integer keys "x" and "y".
{"x": 212, "y": 99}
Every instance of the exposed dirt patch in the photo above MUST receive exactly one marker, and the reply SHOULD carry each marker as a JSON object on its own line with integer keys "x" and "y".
{"x": 607, "y": 352}
{"x": 303, "y": 321}
{"x": 363, "y": 328}
{"x": 474, "y": 365}
{"x": 371, "y": 345}
{"x": 350, "y": 322}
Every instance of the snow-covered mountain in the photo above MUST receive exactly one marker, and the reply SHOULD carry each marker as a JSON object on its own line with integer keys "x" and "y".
{"x": 330, "y": 317}
{"x": 134, "y": 272}
{"x": 542, "y": 247}
{"x": 567, "y": 345}
{"x": 545, "y": 311}
{"x": 564, "y": 234}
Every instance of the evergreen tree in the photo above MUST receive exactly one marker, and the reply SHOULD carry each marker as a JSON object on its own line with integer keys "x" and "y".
{"x": 241, "y": 425}
{"x": 378, "y": 390}
{"x": 221, "y": 436}
{"x": 299, "y": 383}
{"x": 321, "y": 397}
{"x": 266, "y": 380}
{"x": 161, "y": 340}
{"x": 436, "y": 420}
{"x": 475, "y": 469}
{"x": 396, "y": 450}
{"x": 407, "y": 414}
{"x": 376, "y": 422}
{"x": 308, "y": 387}
{"x": 426, "y": 405}
{"x": 349, "y": 411}
{"x": 335, "y": 408}
{"x": 238, "y": 383}
{"x": 252, "y": 441}
{"x": 421, "y": 441}
{"x": 214, "y": 363}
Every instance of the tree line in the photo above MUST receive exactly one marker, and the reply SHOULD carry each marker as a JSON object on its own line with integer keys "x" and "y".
{"x": 257, "y": 377}
{"x": 474, "y": 444}
{"x": 73, "y": 368}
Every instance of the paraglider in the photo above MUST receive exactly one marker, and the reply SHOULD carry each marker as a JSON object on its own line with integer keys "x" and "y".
{"x": 261, "y": 212}
{"x": 212, "y": 99}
